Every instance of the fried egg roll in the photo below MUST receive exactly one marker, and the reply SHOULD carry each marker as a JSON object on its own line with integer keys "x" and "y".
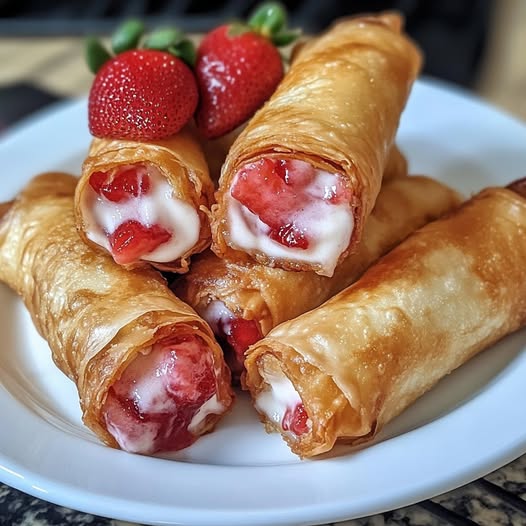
{"x": 149, "y": 373}
{"x": 303, "y": 176}
{"x": 242, "y": 300}
{"x": 342, "y": 371}
{"x": 146, "y": 202}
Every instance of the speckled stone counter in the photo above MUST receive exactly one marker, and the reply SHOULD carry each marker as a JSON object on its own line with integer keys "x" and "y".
{"x": 497, "y": 499}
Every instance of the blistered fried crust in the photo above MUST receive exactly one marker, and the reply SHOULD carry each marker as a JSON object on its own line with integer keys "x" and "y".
{"x": 396, "y": 164}
{"x": 272, "y": 295}
{"x": 95, "y": 315}
{"x": 179, "y": 158}
{"x": 448, "y": 291}
{"x": 337, "y": 108}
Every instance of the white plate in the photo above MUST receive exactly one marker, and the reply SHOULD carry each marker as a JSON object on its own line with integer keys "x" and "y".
{"x": 470, "y": 424}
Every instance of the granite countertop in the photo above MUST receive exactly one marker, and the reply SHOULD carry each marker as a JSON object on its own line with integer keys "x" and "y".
{"x": 497, "y": 499}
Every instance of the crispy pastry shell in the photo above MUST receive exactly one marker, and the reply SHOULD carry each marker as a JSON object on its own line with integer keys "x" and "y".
{"x": 448, "y": 291}
{"x": 95, "y": 315}
{"x": 179, "y": 158}
{"x": 272, "y": 295}
{"x": 337, "y": 108}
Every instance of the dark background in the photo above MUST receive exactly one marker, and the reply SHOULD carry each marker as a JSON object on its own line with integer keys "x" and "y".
{"x": 452, "y": 33}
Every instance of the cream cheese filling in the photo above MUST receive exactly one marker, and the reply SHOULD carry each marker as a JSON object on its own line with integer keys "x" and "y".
{"x": 327, "y": 226}
{"x": 102, "y": 217}
{"x": 280, "y": 397}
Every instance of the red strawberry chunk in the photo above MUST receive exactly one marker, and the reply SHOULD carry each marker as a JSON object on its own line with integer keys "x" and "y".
{"x": 265, "y": 192}
{"x": 132, "y": 181}
{"x": 132, "y": 240}
{"x": 236, "y": 336}
{"x": 295, "y": 173}
{"x": 97, "y": 181}
{"x": 277, "y": 191}
{"x": 151, "y": 406}
{"x": 291, "y": 236}
{"x": 296, "y": 420}
{"x": 243, "y": 334}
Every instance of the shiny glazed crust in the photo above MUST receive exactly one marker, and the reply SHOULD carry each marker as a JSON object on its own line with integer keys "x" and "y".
{"x": 272, "y": 295}
{"x": 337, "y": 108}
{"x": 451, "y": 289}
{"x": 95, "y": 315}
{"x": 179, "y": 158}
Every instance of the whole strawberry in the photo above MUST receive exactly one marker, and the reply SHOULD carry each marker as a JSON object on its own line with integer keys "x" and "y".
{"x": 238, "y": 68}
{"x": 140, "y": 94}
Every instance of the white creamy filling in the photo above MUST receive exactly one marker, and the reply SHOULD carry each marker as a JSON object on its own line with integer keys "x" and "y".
{"x": 218, "y": 316}
{"x": 159, "y": 206}
{"x": 149, "y": 393}
{"x": 138, "y": 440}
{"x": 277, "y": 399}
{"x": 328, "y": 228}
{"x": 211, "y": 406}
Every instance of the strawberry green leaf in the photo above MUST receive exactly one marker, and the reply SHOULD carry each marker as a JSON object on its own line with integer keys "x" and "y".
{"x": 268, "y": 18}
{"x": 96, "y": 54}
{"x": 185, "y": 50}
{"x": 163, "y": 39}
{"x": 284, "y": 38}
{"x": 127, "y": 36}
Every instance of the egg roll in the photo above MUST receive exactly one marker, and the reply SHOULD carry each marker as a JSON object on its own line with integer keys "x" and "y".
{"x": 451, "y": 289}
{"x": 303, "y": 176}
{"x": 149, "y": 373}
{"x": 242, "y": 300}
{"x": 146, "y": 203}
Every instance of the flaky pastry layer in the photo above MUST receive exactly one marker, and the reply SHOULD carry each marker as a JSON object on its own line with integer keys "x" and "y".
{"x": 181, "y": 161}
{"x": 337, "y": 108}
{"x": 451, "y": 289}
{"x": 95, "y": 315}
{"x": 272, "y": 295}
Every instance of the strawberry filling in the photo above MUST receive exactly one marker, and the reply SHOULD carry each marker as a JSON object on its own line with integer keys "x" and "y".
{"x": 131, "y": 239}
{"x": 125, "y": 184}
{"x": 281, "y": 193}
{"x": 131, "y": 212}
{"x": 162, "y": 397}
{"x": 234, "y": 334}
{"x": 296, "y": 420}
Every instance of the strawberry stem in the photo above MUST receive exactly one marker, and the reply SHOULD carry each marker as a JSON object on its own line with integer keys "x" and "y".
{"x": 172, "y": 41}
{"x": 127, "y": 36}
{"x": 268, "y": 18}
{"x": 96, "y": 54}
{"x": 185, "y": 50}
{"x": 270, "y": 21}
{"x": 284, "y": 38}
{"x": 164, "y": 38}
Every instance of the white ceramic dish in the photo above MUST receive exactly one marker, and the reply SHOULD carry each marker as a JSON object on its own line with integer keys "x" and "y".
{"x": 470, "y": 424}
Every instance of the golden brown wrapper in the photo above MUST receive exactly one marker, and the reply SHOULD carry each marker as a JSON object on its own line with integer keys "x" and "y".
{"x": 179, "y": 158}
{"x": 451, "y": 289}
{"x": 272, "y": 295}
{"x": 95, "y": 315}
{"x": 396, "y": 165}
{"x": 337, "y": 108}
